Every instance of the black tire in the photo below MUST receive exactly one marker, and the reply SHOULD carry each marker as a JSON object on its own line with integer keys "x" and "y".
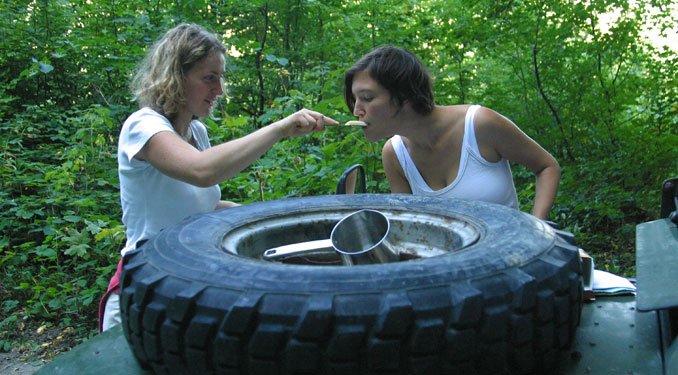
{"x": 509, "y": 303}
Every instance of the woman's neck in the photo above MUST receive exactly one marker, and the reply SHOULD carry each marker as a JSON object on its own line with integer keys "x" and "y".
{"x": 181, "y": 124}
{"x": 425, "y": 131}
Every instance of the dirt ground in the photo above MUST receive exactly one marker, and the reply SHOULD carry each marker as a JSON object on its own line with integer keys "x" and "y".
{"x": 14, "y": 363}
{"x": 35, "y": 348}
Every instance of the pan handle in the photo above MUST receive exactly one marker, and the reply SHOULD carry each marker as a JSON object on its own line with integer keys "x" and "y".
{"x": 297, "y": 249}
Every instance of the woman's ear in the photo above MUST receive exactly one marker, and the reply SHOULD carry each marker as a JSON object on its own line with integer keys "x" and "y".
{"x": 405, "y": 104}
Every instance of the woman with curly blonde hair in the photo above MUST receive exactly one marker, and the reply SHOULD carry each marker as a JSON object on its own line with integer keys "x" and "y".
{"x": 168, "y": 170}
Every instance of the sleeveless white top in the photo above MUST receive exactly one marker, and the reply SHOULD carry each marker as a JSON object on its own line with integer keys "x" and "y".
{"x": 151, "y": 200}
{"x": 477, "y": 178}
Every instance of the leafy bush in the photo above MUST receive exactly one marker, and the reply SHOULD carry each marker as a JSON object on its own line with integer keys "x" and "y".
{"x": 61, "y": 232}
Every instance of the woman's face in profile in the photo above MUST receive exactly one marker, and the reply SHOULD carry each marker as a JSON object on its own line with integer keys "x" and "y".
{"x": 203, "y": 84}
{"x": 373, "y": 105}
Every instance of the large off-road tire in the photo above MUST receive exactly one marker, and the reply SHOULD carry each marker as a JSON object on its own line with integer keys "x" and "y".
{"x": 506, "y": 299}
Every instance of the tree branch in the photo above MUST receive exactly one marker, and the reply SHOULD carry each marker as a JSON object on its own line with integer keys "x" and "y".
{"x": 542, "y": 92}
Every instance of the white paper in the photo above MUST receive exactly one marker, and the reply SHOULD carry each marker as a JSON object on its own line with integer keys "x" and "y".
{"x": 606, "y": 283}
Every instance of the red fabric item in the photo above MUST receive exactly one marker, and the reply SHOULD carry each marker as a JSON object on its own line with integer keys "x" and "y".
{"x": 113, "y": 287}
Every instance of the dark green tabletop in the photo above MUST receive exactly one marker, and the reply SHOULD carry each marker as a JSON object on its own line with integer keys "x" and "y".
{"x": 107, "y": 353}
{"x": 656, "y": 264}
{"x": 613, "y": 336}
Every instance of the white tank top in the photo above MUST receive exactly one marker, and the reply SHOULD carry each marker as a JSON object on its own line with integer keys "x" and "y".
{"x": 477, "y": 178}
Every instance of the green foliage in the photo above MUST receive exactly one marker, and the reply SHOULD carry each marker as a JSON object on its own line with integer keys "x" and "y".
{"x": 602, "y": 100}
{"x": 61, "y": 231}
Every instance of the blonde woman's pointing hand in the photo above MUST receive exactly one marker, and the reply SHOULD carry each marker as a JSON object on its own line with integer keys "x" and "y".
{"x": 304, "y": 121}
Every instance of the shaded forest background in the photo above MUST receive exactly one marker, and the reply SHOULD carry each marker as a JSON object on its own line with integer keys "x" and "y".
{"x": 580, "y": 77}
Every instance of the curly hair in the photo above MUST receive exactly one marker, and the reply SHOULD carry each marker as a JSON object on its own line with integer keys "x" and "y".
{"x": 158, "y": 82}
{"x": 400, "y": 72}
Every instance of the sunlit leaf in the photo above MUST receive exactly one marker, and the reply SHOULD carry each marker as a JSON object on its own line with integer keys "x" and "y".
{"x": 46, "y": 68}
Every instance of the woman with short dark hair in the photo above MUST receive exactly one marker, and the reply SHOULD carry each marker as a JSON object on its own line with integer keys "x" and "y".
{"x": 455, "y": 151}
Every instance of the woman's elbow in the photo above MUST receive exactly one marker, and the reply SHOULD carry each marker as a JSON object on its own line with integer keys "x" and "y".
{"x": 202, "y": 179}
{"x": 556, "y": 169}
{"x": 206, "y": 181}
{"x": 550, "y": 169}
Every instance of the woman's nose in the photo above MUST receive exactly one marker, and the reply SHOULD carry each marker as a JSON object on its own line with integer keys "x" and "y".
{"x": 221, "y": 87}
{"x": 358, "y": 108}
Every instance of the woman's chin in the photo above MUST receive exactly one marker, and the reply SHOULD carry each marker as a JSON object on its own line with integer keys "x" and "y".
{"x": 370, "y": 136}
{"x": 204, "y": 113}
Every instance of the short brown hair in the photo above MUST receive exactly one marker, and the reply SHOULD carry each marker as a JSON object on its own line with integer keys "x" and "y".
{"x": 400, "y": 72}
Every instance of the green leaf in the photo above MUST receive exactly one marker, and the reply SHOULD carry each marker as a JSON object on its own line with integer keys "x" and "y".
{"x": 8, "y": 306}
{"x": 94, "y": 227}
{"x": 79, "y": 250}
{"x": 72, "y": 218}
{"x": 55, "y": 303}
{"x": 25, "y": 214}
{"x": 44, "y": 251}
{"x": 46, "y": 68}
